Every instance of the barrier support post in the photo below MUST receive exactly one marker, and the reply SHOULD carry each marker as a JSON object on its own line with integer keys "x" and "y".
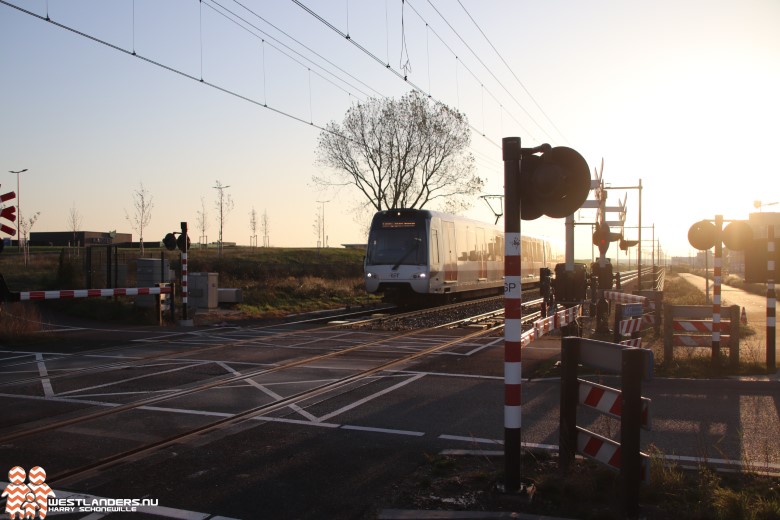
{"x": 630, "y": 423}
{"x": 513, "y": 313}
{"x": 570, "y": 355}
{"x": 184, "y": 271}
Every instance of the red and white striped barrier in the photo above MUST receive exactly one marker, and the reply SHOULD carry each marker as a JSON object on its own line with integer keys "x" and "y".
{"x": 619, "y": 297}
{"x": 606, "y": 451}
{"x": 628, "y": 327}
{"x": 91, "y": 293}
{"x": 599, "y": 448}
{"x": 634, "y": 342}
{"x": 608, "y": 401}
{"x": 700, "y": 326}
{"x": 546, "y": 325}
{"x": 567, "y": 316}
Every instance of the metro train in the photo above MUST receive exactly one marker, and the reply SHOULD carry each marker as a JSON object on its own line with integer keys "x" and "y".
{"x": 414, "y": 255}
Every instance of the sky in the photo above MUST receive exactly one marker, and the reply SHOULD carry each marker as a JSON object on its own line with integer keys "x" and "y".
{"x": 681, "y": 96}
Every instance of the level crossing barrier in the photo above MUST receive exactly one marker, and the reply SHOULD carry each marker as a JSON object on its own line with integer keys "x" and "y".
{"x": 693, "y": 326}
{"x": 164, "y": 294}
{"x": 627, "y": 403}
{"x": 546, "y": 325}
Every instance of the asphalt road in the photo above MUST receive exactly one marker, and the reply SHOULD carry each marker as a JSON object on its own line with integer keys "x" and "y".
{"x": 333, "y": 457}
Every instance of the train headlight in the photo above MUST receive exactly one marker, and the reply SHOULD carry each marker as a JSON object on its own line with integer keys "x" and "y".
{"x": 419, "y": 275}
{"x": 370, "y": 275}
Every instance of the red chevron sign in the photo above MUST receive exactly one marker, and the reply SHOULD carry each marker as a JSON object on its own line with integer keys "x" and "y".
{"x": 8, "y": 213}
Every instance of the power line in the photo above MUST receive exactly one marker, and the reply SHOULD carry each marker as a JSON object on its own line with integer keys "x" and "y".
{"x": 473, "y": 75}
{"x": 379, "y": 60}
{"x": 268, "y": 36}
{"x": 488, "y": 69}
{"x": 169, "y": 68}
{"x": 305, "y": 47}
{"x": 510, "y": 69}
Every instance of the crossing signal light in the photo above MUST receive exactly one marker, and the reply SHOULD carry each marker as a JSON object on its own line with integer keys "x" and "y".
{"x": 625, "y": 244}
{"x": 555, "y": 183}
{"x": 701, "y": 235}
{"x": 180, "y": 242}
{"x": 738, "y": 235}
{"x": 169, "y": 242}
{"x": 602, "y": 237}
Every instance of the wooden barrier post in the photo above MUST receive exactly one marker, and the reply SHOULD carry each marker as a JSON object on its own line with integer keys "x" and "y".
{"x": 570, "y": 355}
{"x": 630, "y": 422}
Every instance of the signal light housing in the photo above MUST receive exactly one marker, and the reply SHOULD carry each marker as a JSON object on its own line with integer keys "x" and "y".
{"x": 602, "y": 238}
{"x": 555, "y": 183}
{"x": 701, "y": 235}
{"x": 169, "y": 242}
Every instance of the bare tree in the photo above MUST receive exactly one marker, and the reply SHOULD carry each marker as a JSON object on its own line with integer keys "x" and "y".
{"x": 143, "y": 203}
{"x": 203, "y": 221}
{"x": 26, "y": 227}
{"x": 401, "y": 153}
{"x": 74, "y": 222}
{"x": 253, "y": 227}
{"x": 264, "y": 226}
{"x": 224, "y": 205}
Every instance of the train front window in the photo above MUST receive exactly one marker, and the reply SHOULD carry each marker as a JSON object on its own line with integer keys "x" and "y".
{"x": 397, "y": 246}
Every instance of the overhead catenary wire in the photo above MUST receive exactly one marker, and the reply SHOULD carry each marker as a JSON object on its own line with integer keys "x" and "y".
{"x": 531, "y": 97}
{"x": 374, "y": 57}
{"x": 509, "y": 93}
{"x": 267, "y": 36}
{"x": 169, "y": 68}
{"x": 472, "y": 73}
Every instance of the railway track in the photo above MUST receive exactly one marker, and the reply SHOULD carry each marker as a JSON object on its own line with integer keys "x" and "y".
{"x": 33, "y": 431}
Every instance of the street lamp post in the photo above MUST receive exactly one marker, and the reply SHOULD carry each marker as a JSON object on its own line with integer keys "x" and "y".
{"x": 18, "y": 208}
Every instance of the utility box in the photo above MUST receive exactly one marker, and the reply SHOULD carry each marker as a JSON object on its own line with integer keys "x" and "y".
{"x": 202, "y": 290}
{"x": 149, "y": 272}
{"x": 229, "y": 295}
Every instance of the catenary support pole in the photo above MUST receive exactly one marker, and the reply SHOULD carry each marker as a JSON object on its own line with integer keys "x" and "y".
{"x": 512, "y": 314}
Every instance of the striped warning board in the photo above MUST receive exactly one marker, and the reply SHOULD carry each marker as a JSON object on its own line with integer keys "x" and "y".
{"x": 606, "y": 451}
{"x": 608, "y": 401}
{"x": 703, "y": 326}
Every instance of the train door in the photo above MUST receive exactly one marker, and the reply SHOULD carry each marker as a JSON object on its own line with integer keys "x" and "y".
{"x": 450, "y": 256}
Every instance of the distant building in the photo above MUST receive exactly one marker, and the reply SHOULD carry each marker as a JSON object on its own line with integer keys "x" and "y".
{"x": 760, "y": 221}
{"x": 79, "y": 238}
